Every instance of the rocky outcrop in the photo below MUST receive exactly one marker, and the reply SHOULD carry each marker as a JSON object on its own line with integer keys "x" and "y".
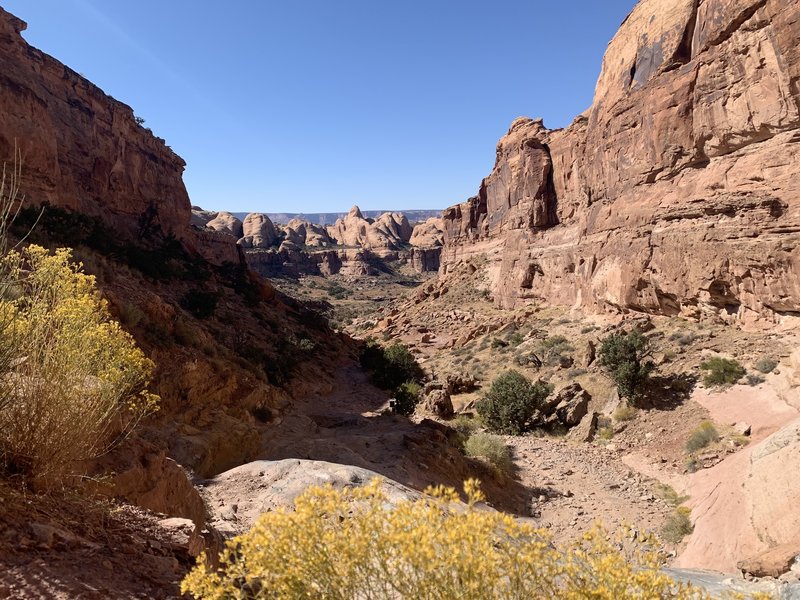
{"x": 690, "y": 149}
{"x": 81, "y": 149}
{"x": 257, "y": 231}
{"x": 239, "y": 496}
{"x": 355, "y": 246}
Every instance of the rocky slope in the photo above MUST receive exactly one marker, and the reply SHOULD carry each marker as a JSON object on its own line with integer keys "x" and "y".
{"x": 675, "y": 193}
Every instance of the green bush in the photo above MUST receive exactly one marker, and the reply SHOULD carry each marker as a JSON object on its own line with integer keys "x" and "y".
{"x": 701, "y": 437}
{"x": 553, "y": 348}
{"x": 406, "y": 398}
{"x": 511, "y": 402}
{"x": 390, "y": 367}
{"x": 766, "y": 364}
{"x": 625, "y": 357}
{"x": 721, "y": 371}
{"x": 493, "y": 449}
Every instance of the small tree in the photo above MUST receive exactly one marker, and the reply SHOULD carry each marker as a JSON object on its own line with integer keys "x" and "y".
{"x": 406, "y": 398}
{"x": 625, "y": 357}
{"x": 511, "y": 401}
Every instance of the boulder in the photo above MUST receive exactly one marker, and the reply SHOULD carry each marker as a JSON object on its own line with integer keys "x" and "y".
{"x": 771, "y": 563}
{"x": 571, "y": 409}
{"x": 438, "y": 402}
{"x": 586, "y": 429}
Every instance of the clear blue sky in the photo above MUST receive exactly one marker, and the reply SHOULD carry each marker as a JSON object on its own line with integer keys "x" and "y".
{"x": 314, "y": 105}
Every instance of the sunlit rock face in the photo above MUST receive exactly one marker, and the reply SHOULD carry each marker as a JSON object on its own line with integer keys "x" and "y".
{"x": 676, "y": 192}
{"x": 81, "y": 149}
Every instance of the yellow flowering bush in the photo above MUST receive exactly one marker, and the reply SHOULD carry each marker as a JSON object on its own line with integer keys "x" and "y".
{"x": 352, "y": 544}
{"x": 78, "y": 381}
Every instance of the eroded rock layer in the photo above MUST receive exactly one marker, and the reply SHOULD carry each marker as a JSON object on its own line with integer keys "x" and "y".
{"x": 676, "y": 192}
{"x": 81, "y": 149}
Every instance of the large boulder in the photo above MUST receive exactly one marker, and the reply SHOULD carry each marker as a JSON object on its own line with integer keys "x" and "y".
{"x": 236, "y": 498}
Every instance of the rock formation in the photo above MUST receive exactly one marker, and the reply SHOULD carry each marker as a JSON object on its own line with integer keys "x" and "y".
{"x": 257, "y": 231}
{"x": 81, "y": 149}
{"x": 354, "y": 246}
{"x": 675, "y": 193}
{"x": 391, "y": 230}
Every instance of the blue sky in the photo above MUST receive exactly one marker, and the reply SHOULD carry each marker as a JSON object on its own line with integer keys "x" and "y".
{"x": 314, "y": 105}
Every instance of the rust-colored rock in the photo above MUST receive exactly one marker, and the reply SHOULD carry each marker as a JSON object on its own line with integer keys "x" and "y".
{"x": 81, "y": 149}
{"x": 677, "y": 192}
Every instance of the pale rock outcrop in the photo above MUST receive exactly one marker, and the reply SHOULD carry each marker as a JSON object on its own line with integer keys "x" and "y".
{"x": 257, "y": 231}
{"x": 304, "y": 233}
{"x": 225, "y": 222}
{"x": 238, "y": 497}
{"x": 675, "y": 193}
{"x": 390, "y": 231}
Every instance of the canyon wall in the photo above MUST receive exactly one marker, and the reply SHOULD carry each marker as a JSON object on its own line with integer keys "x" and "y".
{"x": 677, "y": 192}
{"x": 84, "y": 151}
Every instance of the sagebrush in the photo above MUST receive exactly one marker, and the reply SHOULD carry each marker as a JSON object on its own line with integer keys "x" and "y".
{"x": 77, "y": 382}
{"x": 347, "y": 544}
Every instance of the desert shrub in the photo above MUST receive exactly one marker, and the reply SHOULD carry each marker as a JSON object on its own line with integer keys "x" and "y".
{"x": 200, "y": 303}
{"x": 78, "y": 383}
{"x": 351, "y": 543}
{"x": 721, "y": 372}
{"x": 625, "y": 413}
{"x": 499, "y": 343}
{"x": 511, "y": 401}
{"x": 766, "y": 364}
{"x": 553, "y": 348}
{"x": 678, "y": 525}
{"x": 701, "y": 437}
{"x": 493, "y": 449}
{"x": 668, "y": 493}
{"x": 683, "y": 338}
{"x": 625, "y": 357}
{"x": 464, "y": 425}
{"x": 406, "y": 398}
{"x": 306, "y": 345}
{"x": 516, "y": 338}
{"x": 390, "y": 367}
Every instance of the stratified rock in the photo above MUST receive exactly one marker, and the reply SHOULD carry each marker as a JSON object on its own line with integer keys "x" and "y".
{"x": 258, "y": 231}
{"x": 83, "y": 150}
{"x": 677, "y": 192}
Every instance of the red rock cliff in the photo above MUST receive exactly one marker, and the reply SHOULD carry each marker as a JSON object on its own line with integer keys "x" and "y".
{"x": 677, "y": 192}
{"x": 83, "y": 150}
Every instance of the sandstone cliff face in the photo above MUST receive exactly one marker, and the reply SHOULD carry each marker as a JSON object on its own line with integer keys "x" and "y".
{"x": 81, "y": 149}
{"x": 676, "y": 192}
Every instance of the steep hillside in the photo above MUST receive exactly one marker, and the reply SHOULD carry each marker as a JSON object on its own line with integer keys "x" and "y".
{"x": 676, "y": 193}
